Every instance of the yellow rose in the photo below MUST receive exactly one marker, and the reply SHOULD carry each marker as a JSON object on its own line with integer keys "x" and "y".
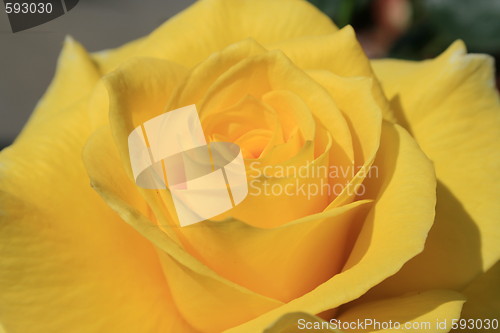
{"x": 293, "y": 91}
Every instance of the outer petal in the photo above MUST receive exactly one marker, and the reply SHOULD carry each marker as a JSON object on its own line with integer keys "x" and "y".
{"x": 75, "y": 77}
{"x": 67, "y": 263}
{"x": 430, "y": 311}
{"x": 109, "y": 60}
{"x": 452, "y": 108}
{"x": 210, "y": 25}
{"x": 339, "y": 53}
{"x": 405, "y": 192}
{"x": 138, "y": 92}
{"x": 427, "y": 311}
{"x": 218, "y": 23}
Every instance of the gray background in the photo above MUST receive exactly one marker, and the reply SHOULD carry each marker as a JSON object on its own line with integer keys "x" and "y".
{"x": 28, "y": 58}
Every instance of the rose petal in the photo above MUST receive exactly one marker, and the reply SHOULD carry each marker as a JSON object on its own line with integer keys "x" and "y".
{"x": 451, "y": 106}
{"x": 209, "y": 26}
{"x": 355, "y": 100}
{"x": 296, "y": 322}
{"x": 138, "y": 92}
{"x": 235, "y": 125}
{"x": 67, "y": 262}
{"x": 202, "y": 76}
{"x": 405, "y": 192}
{"x": 339, "y": 53}
{"x": 109, "y": 60}
{"x": 281, "y": 263}
{"x": 75, "y": 68}
{"x": 426, "y": 310}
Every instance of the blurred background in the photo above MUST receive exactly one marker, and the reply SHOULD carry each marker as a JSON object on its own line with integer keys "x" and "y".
{"x": 406, "y": 29}
{"x": 28, "y": 58}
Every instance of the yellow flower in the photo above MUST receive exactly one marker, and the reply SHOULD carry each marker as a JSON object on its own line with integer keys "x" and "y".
{"x": 412, "y": 145}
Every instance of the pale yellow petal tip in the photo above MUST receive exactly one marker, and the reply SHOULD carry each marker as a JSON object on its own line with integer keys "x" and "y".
{"x": 72, "y": 50}
{"x": 458, "y": 59}
{"x": 349, "y": 30}
{"x": 101, "y": 55}
{"x": 70, "y": 44}
{"x": 457, "y": 53}
{"x": 69, "y": 39}
{"x": 457, "y": 46}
